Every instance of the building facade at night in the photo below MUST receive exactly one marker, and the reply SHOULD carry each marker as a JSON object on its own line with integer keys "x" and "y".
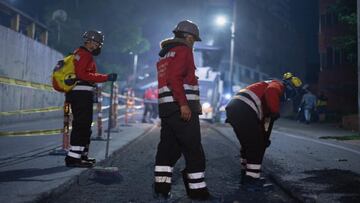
{"x": 338, "y": 76}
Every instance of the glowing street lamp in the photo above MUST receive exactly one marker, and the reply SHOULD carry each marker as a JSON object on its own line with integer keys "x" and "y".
{"x": 221, "y": 21}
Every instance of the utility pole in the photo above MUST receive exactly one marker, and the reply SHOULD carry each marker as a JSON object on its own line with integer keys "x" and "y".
{"x": 232, "y": 46}
{"x": 135, "y": 68}
{"x": 358, "y": 41}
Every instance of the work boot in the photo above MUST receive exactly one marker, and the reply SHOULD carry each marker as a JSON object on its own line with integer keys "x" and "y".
{"x": 200, "y": 194}
{"x": 197, "y": 194}
{"x": 186, "y": 183}
{"x": 88, "y": 159}
{"x": 254, "y": 184}
{"x": 85, "y": 157}
{"x": 73, "y": 162}
{"x": 162, "y": 196}
{"x": 242, "y": 175}
{"x": 161, "y": 192}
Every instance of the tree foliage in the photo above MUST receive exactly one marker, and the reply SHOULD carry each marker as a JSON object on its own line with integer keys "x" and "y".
{"x": 116, "y": 19}
{"x": 345, "y": 11}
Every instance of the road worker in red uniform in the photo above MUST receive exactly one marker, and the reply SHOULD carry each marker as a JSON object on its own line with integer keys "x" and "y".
{"x": 154, "y": 102}
{"x": 81, "y": 99}
{"x": 251, "y": 113}
{"x": 179, "y": 109}
{"x": 148, "y": 108}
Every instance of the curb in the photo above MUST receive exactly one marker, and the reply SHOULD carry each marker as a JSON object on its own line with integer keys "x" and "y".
{"x": 293, "y": 192}
{"x": 55, "y": 192}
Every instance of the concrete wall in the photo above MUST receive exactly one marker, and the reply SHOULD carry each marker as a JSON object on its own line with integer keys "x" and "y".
{"x": 24, "y": 58}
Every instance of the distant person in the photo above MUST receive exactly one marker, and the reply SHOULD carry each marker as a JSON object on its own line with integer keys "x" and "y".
{"x": 179, "y": 109}
{"x": 154, "y": 102}
{"x": 148, "y": 96}
{"x": 321, "y": 106}
{"x": 300, "y": 107}
{"x": 251, "y": 113}
{"x": 81, "y": 99}
{"x": 308, "y": 103}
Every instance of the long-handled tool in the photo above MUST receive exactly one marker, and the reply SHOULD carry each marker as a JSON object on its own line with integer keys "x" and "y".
{"x": 109, "y": 121}
{"x": 109, "y": 173}
{"x": 268, "y": 130}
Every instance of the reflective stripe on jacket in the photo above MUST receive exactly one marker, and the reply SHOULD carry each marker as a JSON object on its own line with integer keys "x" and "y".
{"x": 177, "y": 82}
{"x": 263, "y": 97}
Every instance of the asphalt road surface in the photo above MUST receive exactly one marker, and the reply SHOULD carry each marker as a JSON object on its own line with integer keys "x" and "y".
{"x": 134, "y": 181}
{"x": 319, "y": 170}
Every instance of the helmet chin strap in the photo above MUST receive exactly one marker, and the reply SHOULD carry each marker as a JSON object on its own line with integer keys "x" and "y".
{"x": 96, "y": 52}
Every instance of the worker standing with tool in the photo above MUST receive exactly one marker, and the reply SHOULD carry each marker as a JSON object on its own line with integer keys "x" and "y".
{"x": 81, "y": 98}
{"x": 251, "y": 113}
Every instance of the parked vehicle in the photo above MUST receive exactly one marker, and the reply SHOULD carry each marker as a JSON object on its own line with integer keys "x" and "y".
{"x": 210, "y": 86}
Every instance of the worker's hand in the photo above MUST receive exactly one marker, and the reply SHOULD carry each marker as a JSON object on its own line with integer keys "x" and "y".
{"x": 185, "y": 112}
{"x": 268, "y": 143}
{"x": 112, "y": 77}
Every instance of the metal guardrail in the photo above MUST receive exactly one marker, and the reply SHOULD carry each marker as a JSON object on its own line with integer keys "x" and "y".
{"x": 21, "y": 22}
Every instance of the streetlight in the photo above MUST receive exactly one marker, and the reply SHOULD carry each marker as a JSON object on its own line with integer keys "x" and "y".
{"x": 135, "y": 64}
{"x": 221, "y": 21}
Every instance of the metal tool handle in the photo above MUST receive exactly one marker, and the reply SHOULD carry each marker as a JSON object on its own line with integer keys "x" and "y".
{"x": 109, "y": 121}
{"x": 268, "y": 132}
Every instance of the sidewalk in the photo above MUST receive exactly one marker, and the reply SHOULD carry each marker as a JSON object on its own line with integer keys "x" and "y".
{"x": 308, "y": 168}
{"x": 29, "y": 173}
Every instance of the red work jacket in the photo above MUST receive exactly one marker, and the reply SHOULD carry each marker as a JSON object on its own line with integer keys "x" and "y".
{"x": 177, "y": 83}
{"x": 263, "y": 97}
{"x": 85, "y": 67}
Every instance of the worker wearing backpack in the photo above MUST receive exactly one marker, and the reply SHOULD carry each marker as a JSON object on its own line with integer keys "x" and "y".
{"x": 81, "y": 98}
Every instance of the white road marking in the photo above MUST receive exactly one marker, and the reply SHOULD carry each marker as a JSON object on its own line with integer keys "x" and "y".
{"x": 318, "y": 141}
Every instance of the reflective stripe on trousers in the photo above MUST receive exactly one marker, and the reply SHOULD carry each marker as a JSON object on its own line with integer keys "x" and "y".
{"x": 196, "y": 180}
{"x": 75, "y": 151}
{"x": 163, "y": 174}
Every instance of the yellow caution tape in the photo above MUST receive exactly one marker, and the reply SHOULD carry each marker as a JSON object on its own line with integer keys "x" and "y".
{"x": 34, "y": 85}
{"x": 31, "y": 132}
{"x": 40, "y": 86}
{"x": 36, "y": 132}
{"x": 43, "y": 132}
{"x": 28, "y": 111}
{"x": 120, "y": 96}
{"x": 23, "y": 83}
{"x": 42, "y": 110}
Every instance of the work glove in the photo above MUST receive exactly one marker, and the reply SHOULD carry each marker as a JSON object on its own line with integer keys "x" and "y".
{"x": 112, "y": 77}
{"x": 274, "y": 116}
{"x": 268, "y": 143}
